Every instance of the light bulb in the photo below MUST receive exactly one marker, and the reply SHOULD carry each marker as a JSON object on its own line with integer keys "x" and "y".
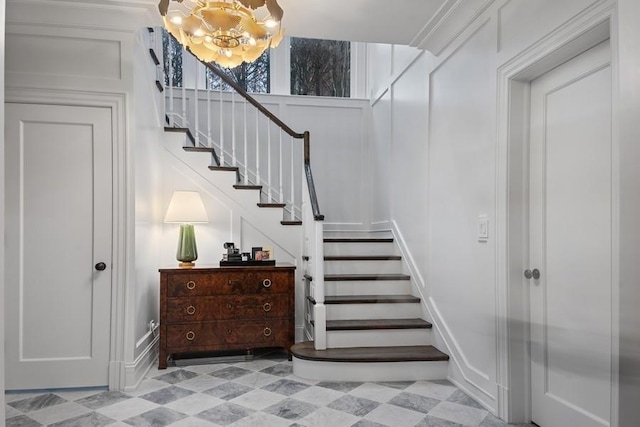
{"x": 177, "y": 20}
{"x": 208, "y": 39}
{"x": 228, "y": 53}
{"x": 252, "y": 41}
{"x": 270, "y": 23}
{"x": 198, "y": 32}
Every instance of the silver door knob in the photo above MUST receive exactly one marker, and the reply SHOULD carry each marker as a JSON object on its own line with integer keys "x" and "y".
{"x": 529, "y": 274}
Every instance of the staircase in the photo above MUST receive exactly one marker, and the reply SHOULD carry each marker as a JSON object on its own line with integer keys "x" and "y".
{"x": 375, "y": 327}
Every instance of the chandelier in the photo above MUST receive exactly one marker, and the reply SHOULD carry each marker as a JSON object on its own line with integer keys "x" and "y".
{"x": 227, "y": 32}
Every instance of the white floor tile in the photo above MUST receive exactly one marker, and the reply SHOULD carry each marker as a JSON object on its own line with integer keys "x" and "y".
{"x": 127, "y": 408}
{"x": 429, "y": 389}
{"x": 375, "y": 392}
{"x": 194, "y": 404}
{"x": 319, "y": 395}
{"x": 325, "y": 417}
{"x": 258, "y": 399}
{"x": 56, "y": 413}
{"x": 394, "y": 416}
{"x": 459, "y": 413}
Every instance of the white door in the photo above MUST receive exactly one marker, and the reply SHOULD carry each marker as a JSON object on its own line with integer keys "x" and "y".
{"x": 570, "y": 237}
{"x": 58, "y": 227}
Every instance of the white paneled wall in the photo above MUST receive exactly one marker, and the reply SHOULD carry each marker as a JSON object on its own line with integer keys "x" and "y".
{"x": 434, "y": 123}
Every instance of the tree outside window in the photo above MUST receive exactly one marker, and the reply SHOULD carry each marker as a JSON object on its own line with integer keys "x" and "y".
{"x": 172, "y": 51}
{"x": 320, "y": 67}
{"x": 253, "y": 77}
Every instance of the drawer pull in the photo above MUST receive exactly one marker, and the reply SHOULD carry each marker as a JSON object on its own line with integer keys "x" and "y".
{"x": 229, "y": 306}
{"x": 266, "y": 283}
{"x": 229, "y": 331}
{"x": 191, "y": 335}
{"x": 191, "y": 310}
{"x": 267, "y": 331}
{"x": 266, "y": 307}
{"x": 191, "y": 284}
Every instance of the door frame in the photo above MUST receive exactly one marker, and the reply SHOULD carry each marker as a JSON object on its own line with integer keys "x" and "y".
{"x": 122, "y": 197}
{"x": 512, "y": 206}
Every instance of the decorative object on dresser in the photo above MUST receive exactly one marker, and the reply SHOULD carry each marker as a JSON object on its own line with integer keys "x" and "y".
{"x": 186, "y": 208}
{"x": 222, "y": 309}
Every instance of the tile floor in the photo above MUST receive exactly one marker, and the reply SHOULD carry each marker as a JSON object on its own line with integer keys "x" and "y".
{"x": 262, "y": 392}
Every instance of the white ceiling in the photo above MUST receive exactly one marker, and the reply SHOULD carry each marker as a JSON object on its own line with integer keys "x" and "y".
{"x": 380, "y": 21}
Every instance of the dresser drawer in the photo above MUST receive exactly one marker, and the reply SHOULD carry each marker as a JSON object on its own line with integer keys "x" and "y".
{"x": 227, "y": 334}
{"x": 192, "y": 309}
{"x": 197, "y": 284}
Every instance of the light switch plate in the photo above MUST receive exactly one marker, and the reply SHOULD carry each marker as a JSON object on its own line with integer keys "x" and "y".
{"x": 483, "y": 228}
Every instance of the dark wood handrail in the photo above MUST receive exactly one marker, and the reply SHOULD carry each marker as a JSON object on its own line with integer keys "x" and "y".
{"x": 315, "y": 206}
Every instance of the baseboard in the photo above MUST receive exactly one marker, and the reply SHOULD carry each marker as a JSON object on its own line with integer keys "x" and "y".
{"x": 135, "y": 372}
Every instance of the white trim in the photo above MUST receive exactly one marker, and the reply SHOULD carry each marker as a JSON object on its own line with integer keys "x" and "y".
{"x": 136, "y": 371}
{"x": 582, "y": 32}
{"x": 120, "y": 243}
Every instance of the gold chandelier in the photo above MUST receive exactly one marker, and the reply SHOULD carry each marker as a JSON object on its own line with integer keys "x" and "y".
{"x": 227, "y": 32}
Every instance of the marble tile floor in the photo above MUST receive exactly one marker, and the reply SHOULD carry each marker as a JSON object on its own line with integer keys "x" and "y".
{"x": 262, "y": 392}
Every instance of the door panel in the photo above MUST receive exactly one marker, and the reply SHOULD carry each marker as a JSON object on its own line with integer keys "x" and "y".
{"x": 59, "y": 210}
{"x": 570, "y": 217}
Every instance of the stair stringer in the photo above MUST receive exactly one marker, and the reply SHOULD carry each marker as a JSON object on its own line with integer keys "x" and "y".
{"x": 476, "y": 382}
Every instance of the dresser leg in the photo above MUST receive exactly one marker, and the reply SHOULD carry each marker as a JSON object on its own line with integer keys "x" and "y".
{"x": 162, "y": 360}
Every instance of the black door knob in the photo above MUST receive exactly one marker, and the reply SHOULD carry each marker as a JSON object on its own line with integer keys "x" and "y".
{"x": 101, "y": 266}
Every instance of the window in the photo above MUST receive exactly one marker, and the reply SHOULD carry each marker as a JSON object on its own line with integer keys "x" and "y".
{"x": 253, "y": 77}
{"x": 172, "y": 51}
{"x": 320, "y": 67}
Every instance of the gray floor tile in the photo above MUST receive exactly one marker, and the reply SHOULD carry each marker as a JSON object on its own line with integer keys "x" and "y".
{"x": 225, "y": 414}
{"x": 158, "y": 417}
{"x": 280, "y": 370}
{"x": 22, "y": 421}
{"x": 167, "y": 395}
{"x": 230, "y": 373}
{"x": 92, "y": 419}
{"x": 367, "y": 423}
{"x": 354, "y": 405}
{"x": 285, "y": 387}
{"x": 492, "y": 421}
{"x": 429, "y": 421}
{"x": 344, "y": 387}
{"x": 176, "y": 376}
{"x": 105, "y": 398}
{"x": 415, "y": 402}
{"x": 291, "y": 409}
{"x": 38, "y": 402}
{"x": 464, "y": 399}
{"x": 228, "y": 391}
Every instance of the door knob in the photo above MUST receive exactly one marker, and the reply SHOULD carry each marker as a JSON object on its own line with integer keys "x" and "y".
{"x": 535, "y": 274}
{"x": 101, "y": 266}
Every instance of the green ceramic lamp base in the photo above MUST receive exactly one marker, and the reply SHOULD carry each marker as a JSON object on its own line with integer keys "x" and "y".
{"x": 187, "y": 251}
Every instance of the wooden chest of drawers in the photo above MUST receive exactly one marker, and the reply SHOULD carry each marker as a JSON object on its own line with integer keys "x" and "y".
{"x": 230, "y": 308}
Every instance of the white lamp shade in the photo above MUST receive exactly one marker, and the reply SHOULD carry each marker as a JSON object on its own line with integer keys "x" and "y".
{"x": 186, "y": 207}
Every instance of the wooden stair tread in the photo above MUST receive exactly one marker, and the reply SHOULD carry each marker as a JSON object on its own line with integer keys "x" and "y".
{"x": 368, "y": 299}
{"x": 224, "y": 168}
{"x": 366, "y": 277}
{"x": 376, "y": 324}
{"x": 197, "y": 149}
{"x": 291, "y": 222}
{"x": 420, "y": 353}
{"x": 247, "y": 187}
{"x": 271, "y": 205}
{"x": 358, "y": 240}
{"x": 363, "y": 258}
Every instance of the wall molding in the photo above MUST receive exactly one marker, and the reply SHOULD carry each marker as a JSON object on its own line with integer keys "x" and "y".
{"x": 135, "y": 371}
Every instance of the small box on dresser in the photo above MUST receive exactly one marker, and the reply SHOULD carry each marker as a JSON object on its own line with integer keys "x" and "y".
{"x": 230, "y": 308}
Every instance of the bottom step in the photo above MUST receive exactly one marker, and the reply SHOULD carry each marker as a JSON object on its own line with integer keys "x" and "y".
{"x": 402, "y": 363}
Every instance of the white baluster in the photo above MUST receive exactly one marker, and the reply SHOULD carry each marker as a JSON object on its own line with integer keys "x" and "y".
{"x": 196, "y": 129}
{"x": 184, "y": 92}
{"x": 233, "y": 128}
{"x": 281, "y": 162}
{"x": 171, "y": 108}
{"x": 208, "y": 89}
{"x": 270, "y": 194}
{"x": 258, "y": 148}
{"x": 293, "y": 178}
{"x": 221, "y": 126}
{"x": 246, "y": 148}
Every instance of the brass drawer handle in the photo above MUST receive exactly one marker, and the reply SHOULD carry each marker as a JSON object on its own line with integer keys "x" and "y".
{"x": 266, "y": 307}
{"x": 191, "y": 335}
{"x": 191, "y": 310}
{"x": 266, "y": 283}
{"x": 267, "y": 331}
{"x": 191, "y": 284}
{"x": 229, "y": 331}
{"x": 229, "y": 306}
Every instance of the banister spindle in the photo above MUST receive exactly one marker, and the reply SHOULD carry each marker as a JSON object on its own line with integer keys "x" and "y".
{"x": 258, "y": 148}
{"x": 233, "y": 129}
{"x": 196, "y": 129}
{"x": 246, "y": 148}
{"x": 293, "y": 180}
{"x": 170, "y": 50}
{"x": 208, "y": 89}
{"x": 221, "y": 127}
{"x": 184, "y": 93}
{"x": 280, "y": 178}
{"x": 269, "y": 193}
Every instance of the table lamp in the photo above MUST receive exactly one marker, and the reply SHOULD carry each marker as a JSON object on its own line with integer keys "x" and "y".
{"x": 186, "y": 208}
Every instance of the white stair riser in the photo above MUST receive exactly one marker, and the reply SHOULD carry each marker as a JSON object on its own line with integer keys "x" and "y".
{"x": 375, "y": 287}
{"x": 342, "y": 249}
{"x": 363, "y": 267}
{"x": 378, "y": 338}
{"x": 373, "y": 311}
{"x": 379, "y": 371}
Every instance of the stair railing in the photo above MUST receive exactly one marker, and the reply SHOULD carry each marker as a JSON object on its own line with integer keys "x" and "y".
{"x": 278, "y": 144}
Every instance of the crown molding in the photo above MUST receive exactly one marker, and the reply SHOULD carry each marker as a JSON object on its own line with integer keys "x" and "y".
{"x": 448, "y": 23}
